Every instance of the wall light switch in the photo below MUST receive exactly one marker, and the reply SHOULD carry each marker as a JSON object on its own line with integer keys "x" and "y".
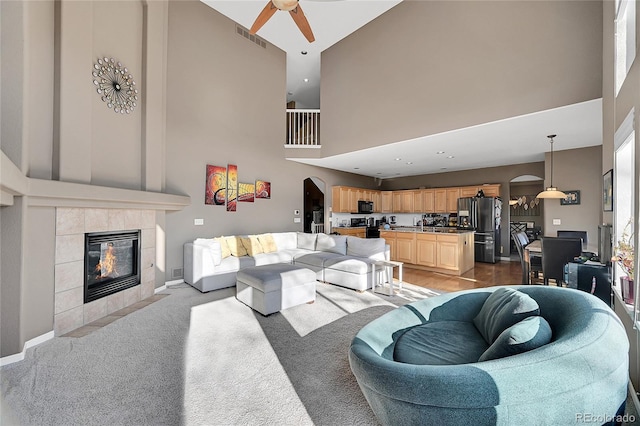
{"x": 198, "y": 221}
{"x": 296, "y": 220}
{"x": 557, "y": 222}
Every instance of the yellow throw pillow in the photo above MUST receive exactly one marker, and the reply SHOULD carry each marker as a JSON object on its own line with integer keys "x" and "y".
{"x": 236, "y": 247}
{"x": 252, "y": 245}
{"x": 268, "y": 243}
{"x": 226, "y": 252}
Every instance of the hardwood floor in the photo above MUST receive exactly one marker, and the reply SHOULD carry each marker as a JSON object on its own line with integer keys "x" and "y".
{"x": 482, "y": 275}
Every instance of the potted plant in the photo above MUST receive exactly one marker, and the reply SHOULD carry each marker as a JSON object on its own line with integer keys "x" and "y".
{"x": 624, "y": 255}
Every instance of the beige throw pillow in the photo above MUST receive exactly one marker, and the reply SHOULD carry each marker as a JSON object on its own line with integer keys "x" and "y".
{"x": 226, "y": 252}
{"x": 236, "y": 247}
{"x": 268, "y": 243}
{"x": 251, "y": 245}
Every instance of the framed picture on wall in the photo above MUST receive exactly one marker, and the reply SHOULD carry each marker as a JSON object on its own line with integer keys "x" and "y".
{"x": 573, "y": 198}
{"x": 607, "y": 191}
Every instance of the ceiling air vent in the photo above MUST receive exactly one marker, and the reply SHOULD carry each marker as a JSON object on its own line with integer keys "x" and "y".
{"x": 241, "y": 31}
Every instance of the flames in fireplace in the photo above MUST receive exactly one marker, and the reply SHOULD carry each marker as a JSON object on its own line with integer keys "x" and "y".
{"x": 106, "y": 268}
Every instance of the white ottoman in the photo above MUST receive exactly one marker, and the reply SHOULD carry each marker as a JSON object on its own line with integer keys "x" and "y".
{"x": 271, "y": 288}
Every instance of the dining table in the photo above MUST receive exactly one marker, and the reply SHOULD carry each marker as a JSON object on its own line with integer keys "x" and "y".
{"x": 534, "y": 248}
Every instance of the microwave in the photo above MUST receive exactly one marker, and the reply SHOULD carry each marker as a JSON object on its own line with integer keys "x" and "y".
{"x": 365, "y": 206}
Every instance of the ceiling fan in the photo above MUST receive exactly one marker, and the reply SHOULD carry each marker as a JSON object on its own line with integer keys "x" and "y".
{"x": 294, "y": 10}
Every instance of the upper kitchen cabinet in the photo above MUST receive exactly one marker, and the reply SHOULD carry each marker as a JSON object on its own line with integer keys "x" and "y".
{"x": 403, "y": 201}
{"x": 428, "y": 201}
{"x": 489, "y": 190}
{"x": 440, "y": 200}
{"x": 386, "y": 199}
{"x": 452, "y": 200}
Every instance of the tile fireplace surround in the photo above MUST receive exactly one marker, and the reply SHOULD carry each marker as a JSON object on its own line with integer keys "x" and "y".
{"x": 70, "y": 311}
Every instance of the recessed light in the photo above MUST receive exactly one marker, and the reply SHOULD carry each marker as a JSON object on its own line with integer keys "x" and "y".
{"x": 397, "y": 159}
{"x": 409, "y": 162}
{"x": 451, "y": 156}
{"x": 440, "y": 152}
{"x": 356, "y": 168}
{"x": 378, "y": 173}
{"x": 290, "y": 93}
{"x": 306, "y": 80}
{"x": 304, "y": 52}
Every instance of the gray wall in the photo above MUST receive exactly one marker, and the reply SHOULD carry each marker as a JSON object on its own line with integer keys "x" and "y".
{"x": 443, "y": 65}
{"x": 226, "y": 105}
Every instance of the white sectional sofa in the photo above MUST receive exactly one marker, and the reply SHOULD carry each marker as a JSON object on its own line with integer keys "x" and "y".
{"x": 212, "y": 263}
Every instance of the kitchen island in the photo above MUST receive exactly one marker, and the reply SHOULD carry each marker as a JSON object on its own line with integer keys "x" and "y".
{"x": 446, "y": 250}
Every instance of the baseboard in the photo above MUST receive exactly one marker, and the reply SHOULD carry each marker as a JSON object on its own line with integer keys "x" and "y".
{"x": 10, "y": 359}
{"x": 634, "y": 397}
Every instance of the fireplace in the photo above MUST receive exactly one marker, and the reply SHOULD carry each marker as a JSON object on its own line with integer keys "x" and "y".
{"x": 111, "y": 263}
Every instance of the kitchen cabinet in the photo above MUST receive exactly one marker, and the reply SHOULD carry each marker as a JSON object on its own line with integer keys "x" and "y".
{"x": 452, "y": 200}
{"x": 375, "y": 197}
{"x": 490, "y": 190}
{"x": 354, "y": 232}
{"x": 447, "y": 256}
{"x": 426, "y": 249}
{"x": 386, "y": 199}
{"x": 446, "y": 252}
{"x": 406, "y": 247}
{"x": 418, "y": 201}
{"x": 355, "y": 195}
{"x": 390, "y": 238}
{"x": 403, "y": 201}
{"x": 340, "y": 199}
{"x": 440, "y": 201}
{"x": 428, "y": 201}
{"x": 468, "y": 191}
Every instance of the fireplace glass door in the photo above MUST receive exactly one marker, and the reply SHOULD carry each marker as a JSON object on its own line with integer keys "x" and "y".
{"x": 111, "y": 263}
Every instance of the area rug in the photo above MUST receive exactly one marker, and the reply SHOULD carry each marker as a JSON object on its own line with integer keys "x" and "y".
{"x": 203, "y": 359}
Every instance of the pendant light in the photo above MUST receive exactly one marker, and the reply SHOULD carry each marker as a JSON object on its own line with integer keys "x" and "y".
{"x": 551, "y": 191}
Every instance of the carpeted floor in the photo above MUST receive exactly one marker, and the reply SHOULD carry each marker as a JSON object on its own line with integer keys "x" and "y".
{"x": 196, "y": 359}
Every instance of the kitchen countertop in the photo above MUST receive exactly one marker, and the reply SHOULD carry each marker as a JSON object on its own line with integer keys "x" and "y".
{"x": 428, "y": 229}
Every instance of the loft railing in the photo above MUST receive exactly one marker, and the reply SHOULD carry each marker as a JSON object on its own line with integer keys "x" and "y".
{"x": 303, "y": 128}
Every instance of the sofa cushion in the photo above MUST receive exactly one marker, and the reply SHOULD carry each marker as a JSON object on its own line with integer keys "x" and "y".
{"x": 332, "y": 243}
{"x": 372, "y": 248}
{"x": 275, "y": 257}
{"x": 526, "y": 335}
{"x": 268, "y": 243}
{"x": 316, "y": 260}
{"x": 252, "y": 245}
{"x": 307, "y": 241}
{"x": 502, "y": 309}
{"x": 354, "y": 265}
{"x": 440, "y": 343}
{"x": 236, "y": 247}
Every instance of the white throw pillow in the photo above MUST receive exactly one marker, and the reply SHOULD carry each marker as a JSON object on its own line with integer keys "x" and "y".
{"x": 307, "y": 241}
{"x": 332, "y": 243}
{"x": 212, "y": 247}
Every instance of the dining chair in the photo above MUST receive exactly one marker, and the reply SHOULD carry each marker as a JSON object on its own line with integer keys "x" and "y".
{"x": 557, "y": 252}
{"x": 574, "y": 234}
{"x": 535, "y": 262}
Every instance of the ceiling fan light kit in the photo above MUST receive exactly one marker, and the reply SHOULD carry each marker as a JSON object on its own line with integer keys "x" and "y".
{"x": 551, "y": 191}
{"x": 294, "y": 10}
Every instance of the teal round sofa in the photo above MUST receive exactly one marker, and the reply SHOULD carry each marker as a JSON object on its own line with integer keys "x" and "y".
{"x": 582, "y": 373}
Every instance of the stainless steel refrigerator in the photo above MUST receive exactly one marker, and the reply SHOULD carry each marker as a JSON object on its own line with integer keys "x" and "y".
{"x": 483, "y": 216}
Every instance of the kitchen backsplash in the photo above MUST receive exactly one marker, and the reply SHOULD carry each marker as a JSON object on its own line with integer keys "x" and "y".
{"x": 402, "y": 219}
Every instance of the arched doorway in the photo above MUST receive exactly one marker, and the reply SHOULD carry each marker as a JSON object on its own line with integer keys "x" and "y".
{"x": 525, "y": 210}
{"x": 314, "y": 190}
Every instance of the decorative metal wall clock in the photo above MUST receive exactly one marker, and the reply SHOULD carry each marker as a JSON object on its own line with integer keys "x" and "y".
{"x": 115, "y": 85}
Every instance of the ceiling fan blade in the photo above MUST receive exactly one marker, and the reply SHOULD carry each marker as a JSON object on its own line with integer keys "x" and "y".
{"x": 264, "y": 16}
{"x": 301, "y": 21}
